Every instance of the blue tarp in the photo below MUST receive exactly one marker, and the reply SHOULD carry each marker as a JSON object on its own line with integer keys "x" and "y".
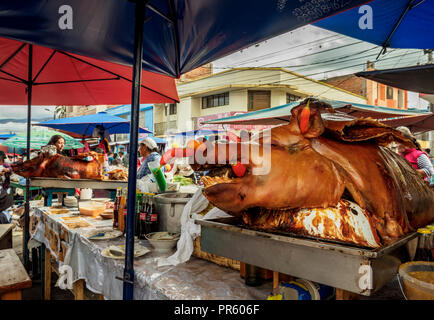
{"x": 157, "y": 140}
{"x": 414, "y": 31}
{"x": 84, "y": 125}
{"x": 180, "y": 35}
{"x": 6, "y": 136}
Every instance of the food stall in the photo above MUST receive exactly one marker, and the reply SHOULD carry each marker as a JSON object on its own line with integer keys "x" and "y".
{"x": 72, "y": 242}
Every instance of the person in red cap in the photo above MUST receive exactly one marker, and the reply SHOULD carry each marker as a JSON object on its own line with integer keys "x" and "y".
{"x": 418, "y": 159}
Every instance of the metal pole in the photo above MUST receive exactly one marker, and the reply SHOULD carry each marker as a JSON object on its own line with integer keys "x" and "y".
{"x": 27, "y": 204}
{"x": 134, "y": 134}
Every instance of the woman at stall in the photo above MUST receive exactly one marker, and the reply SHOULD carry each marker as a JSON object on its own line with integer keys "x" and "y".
{"x": 59, "y": 142}
{"x": 418, "y": 159}
{"x": 148, "y": 150}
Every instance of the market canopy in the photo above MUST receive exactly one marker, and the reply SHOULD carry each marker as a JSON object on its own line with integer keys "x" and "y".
{"x": 61, "y": 78}
{"x": 83, "y": 126}
{"x": 6, "y": 136}
{"x": 282, "y": 114}
{"x": 416, "y": 124}
{"x": 179, "y": 36}
{"x": 416, "y": 78}
{"x": 395, "y": 24}
{"x": 198, "y": 132}
{"x": 39, "y": 139}
{"x": 156, "y": 139}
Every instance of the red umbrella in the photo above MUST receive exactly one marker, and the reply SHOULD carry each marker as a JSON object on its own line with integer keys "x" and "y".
{"x": 36, "y": 75}
{"x": 61, "y": 78}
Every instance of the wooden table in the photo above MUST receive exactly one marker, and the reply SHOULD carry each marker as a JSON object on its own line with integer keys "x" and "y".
{"x": 6, "y": 235}
{"x": 13, "y": 276}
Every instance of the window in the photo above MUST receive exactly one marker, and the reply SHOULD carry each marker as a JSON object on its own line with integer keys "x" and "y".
{"x": 400, "y": 99}
{"x": 291, "y": 98}
{"x": 215, "y": 100}
{"x": 259, "y": 100}
{"x": 389, "y": 94}
{"x": 172, "y": 108}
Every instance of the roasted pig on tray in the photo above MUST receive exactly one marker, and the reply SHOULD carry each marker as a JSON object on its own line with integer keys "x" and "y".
{"x": 53, "y": 165}
{"x": 325, "y": 174}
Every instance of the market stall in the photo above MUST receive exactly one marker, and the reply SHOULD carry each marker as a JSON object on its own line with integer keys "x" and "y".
{"x": 68, "y": 239}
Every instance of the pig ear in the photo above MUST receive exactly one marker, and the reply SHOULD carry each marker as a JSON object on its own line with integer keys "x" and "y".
{"x": 309, "y": 119}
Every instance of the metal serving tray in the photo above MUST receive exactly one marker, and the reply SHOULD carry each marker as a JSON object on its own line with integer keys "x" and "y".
{"x": 352, "y": 268}
{"x": 77, "y": 183}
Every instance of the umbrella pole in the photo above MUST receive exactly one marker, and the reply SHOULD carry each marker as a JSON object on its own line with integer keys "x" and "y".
{"x": 128, "y": 288}
{"x": 27, "y": 204}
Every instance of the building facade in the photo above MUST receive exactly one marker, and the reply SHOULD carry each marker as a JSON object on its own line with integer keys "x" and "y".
{"x": 376, "y": 94}
{"x": 239, "y": 90}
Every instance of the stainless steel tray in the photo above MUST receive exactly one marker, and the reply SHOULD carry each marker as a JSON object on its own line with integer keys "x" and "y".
{"x": 355, "y": 269}
{"x": 77, "y": 183}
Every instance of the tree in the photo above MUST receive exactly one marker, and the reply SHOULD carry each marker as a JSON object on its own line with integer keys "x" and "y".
{"x": 60, "y": 112}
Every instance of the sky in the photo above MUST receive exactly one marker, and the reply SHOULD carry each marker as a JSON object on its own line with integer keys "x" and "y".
{"x": 318, "y": 53}
{"x": 14, "y": 118}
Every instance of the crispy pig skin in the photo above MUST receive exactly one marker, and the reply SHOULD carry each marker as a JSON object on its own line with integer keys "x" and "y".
{"x": 59, "y": 166}
{"x": 346, "y": 222}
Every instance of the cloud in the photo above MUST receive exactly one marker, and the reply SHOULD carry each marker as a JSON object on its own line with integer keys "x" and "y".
{"x": 17, "y": 127}
{"x": 20, "y": 112}
{"x": 13, "y": 119}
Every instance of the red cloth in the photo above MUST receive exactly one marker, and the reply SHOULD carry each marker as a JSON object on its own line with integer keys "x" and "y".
{"x": 85, "y": 149}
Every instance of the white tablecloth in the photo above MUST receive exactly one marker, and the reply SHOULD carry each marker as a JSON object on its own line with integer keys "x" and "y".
{"x": 193, "y": 280}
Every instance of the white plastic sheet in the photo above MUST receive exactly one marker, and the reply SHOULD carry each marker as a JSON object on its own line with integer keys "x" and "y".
{"x": 194, "y": 280}
{"x": 190, "y": 230}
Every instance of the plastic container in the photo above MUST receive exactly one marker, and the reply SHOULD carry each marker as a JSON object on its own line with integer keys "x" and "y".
{"x": 162, "y": 245}
{"x": 154, "y": 166}
{"x": 414, "y": 287}
{"x": 423, "y": 251}
{"x": 169, "y": 207}
{"x": 302, "y": 289}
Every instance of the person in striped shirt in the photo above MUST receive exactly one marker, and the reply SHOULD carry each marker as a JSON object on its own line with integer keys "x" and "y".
{"x": 418, "y": 159}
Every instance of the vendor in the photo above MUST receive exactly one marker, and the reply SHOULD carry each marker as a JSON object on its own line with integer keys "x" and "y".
{"x": 5, "y": 171}
{"x": 101, "y": 133}
{"x": 418, "y": 159}
{"x": 148, "y": 150}
{"x": 59, "y": 142}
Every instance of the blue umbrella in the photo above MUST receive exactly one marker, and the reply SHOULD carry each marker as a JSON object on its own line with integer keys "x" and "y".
{"x": 395, "y": 24}
{"x": 83, "y": 126}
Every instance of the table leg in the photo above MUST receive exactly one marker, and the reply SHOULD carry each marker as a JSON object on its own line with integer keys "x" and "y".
{"x": 35, "y": 262}
{"x": 346, "y": 295}
{"x": 42, "y": 269}
{"x": 79, "y": 289}
{"x": 47, "y": 275}
{"x": 275, "y": 279}
{"x": 12, "y": 295}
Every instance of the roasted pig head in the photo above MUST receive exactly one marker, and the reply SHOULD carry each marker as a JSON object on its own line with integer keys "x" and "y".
{"x": 58, "y": 166}
{"x": 318, "y": 159}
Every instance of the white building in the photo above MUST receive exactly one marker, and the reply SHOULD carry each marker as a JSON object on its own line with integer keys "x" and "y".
{"x": 239, "y": 90}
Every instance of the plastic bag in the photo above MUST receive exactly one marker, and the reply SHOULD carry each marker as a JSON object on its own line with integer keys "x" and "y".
{"x": 190, "y": 230}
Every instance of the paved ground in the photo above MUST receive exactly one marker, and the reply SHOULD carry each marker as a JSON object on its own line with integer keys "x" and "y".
{"x": 391, "y": 291}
